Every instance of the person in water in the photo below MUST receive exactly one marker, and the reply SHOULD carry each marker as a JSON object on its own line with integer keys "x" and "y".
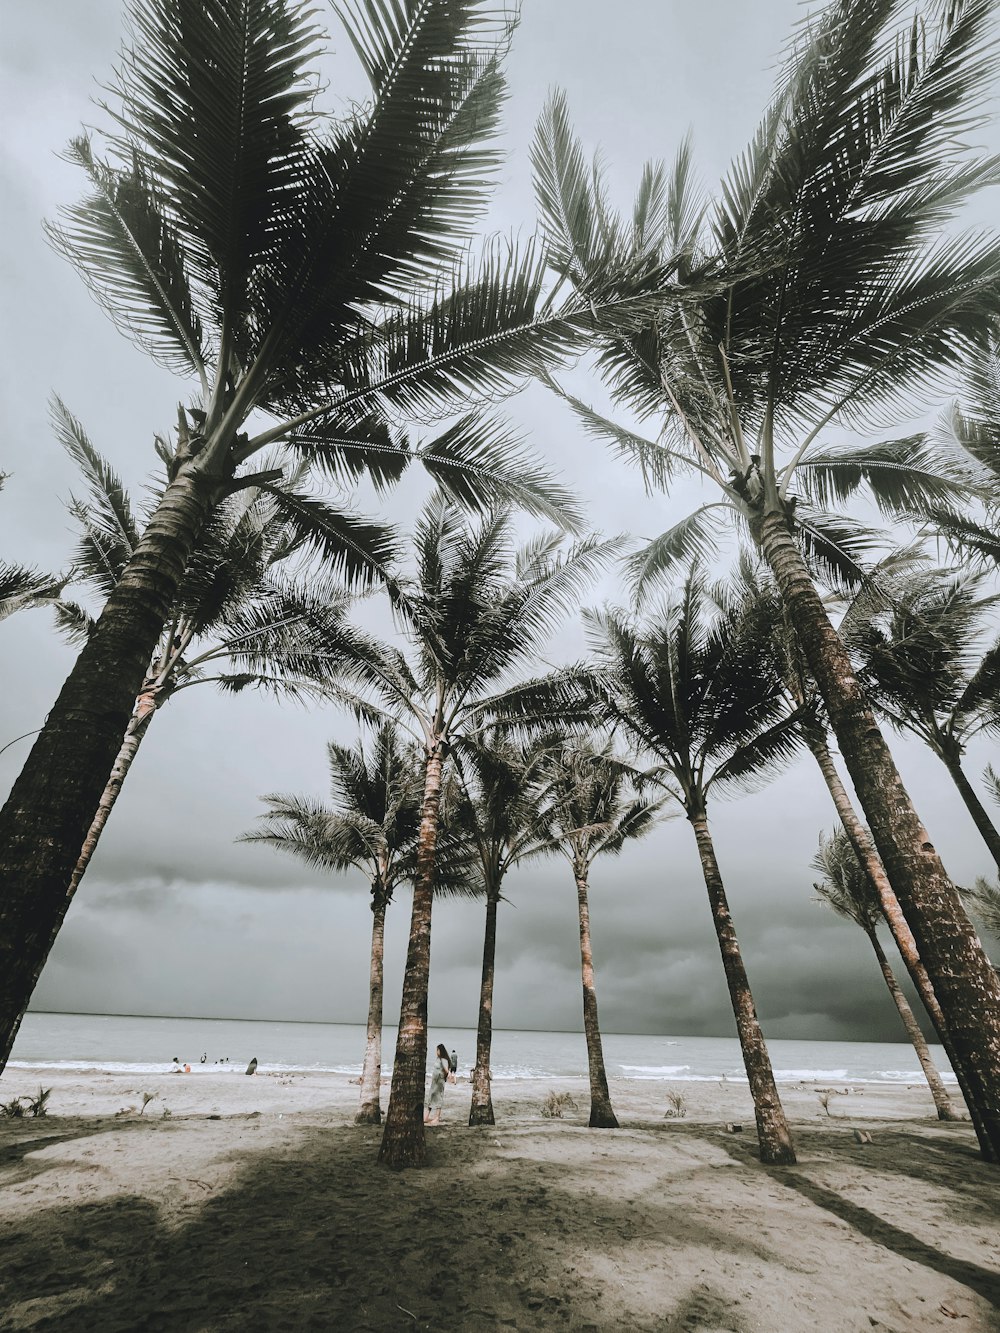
{"x": 440, "y": 1073}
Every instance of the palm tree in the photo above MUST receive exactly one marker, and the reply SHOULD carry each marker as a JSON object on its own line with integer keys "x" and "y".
{"x": 308, "y": 270}
{"x": 842, "y": 295}
{"x": 848, "y": 890}
{"x": 591, "y": 809}
{"x": 691, "y": 687}
{"x": 473, "y": 613}
{"x": 928, "y": 670}
{"x": 777, "y": 637}
{"x": 372, "y": 826}
{"x": 501, "y": 780}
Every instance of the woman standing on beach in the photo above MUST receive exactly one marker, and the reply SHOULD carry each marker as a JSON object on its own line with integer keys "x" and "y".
{"x": 435, "y": 1098}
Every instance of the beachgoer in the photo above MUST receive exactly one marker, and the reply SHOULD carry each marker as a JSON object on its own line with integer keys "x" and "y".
{"x": 204, "y": 1058}
{"x": 435, "y": 1098}
{"x": 187, "y": 1069}
{"x": 453, "y": 1061}
{"x": 252, "y": 1066}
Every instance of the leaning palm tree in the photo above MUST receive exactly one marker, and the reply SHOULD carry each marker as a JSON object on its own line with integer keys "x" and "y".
{"x": 778, "y": 638}
{"x": 371, "y": 826}
{"x": 309, "y": 276}
{"x": 502, "y": 781}
{"x": 846, "y": 294}
{"x": 472, "y": 614}
{"x": 931, "y": 670}
{"x": 691, "y": 687}
{"x": 848, "y": 890}
{"x": 592, "y": 809}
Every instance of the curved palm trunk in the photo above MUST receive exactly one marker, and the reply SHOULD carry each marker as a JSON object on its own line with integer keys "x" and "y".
{"x": 772, "y": 1128}
{"x": 482, "y": 1094}
{"x": 403, "y": 1137}
{"x": 52, "y": 805}
{"x": 370, "y": 1110}
{"x": 913, "y": 1031}
{"x": 973, "y": 804}
{"x": 868, "y": 856}
{"x": 967, "y": 988}
{"x": 602, "y": 1115}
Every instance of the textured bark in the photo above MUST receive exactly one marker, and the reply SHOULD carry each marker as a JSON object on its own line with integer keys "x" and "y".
{"x": 772, "y": 1129}
{"x": 867, "y": 854}
{"x": 481, "y": 1112}
{"x": 938, "y": 1091}
{"x": 52, "y": 805}
{"x": 370, "y": 1110}
{"x": 602, "y": 1115}
{"x": 973, "y": 804}
{"x": 403, "y": 1142}
{"x": 967, "y": 987}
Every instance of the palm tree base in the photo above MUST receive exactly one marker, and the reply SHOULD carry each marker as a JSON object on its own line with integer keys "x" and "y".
{"x": 602, "y": 1117}
{"x": 403, "y": 1145}
{"x": 482, "y": 1115}
{"x": 369, "y": 1114}
{"x": 780, "y": 1155}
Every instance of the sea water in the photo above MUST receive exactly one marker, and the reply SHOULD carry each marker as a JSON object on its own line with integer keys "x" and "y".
{"x": 135, "y": 1044}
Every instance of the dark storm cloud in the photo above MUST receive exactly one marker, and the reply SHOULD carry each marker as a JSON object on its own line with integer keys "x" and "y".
{"x": 174, "y": 916}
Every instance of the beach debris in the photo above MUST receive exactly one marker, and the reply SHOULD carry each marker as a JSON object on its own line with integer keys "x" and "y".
{"x": 733, "y": 1127}
{"x": 38, "y": 1106}
{"x": 862, "y": 1136}
{"x": 556, "y": 1103}
{"x": 166, "y": 1113}
{"x": 147, "y": 1097}
{"x": 677, "y": 1107}
{"x": 952, "y": 1314}
{"x": 824, "y": 1097}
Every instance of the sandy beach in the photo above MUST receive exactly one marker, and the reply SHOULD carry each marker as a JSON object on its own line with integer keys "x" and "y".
{"x": 255, "y": 1203}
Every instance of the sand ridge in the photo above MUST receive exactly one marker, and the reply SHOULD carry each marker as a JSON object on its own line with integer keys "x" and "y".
{"x": 257, "y": 1204}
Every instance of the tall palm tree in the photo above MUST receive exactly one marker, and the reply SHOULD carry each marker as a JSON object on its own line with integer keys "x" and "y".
{"x": 310, "y": 277}
{"x": 843, "y": 296}
{"x": 501, "y": 779}
{"x": 931, "y": 671}
{"x": 690, "y": 687}
{"x": 473, "y": 614}
{"x": 592, "y": 809}
{"x": 848, "y": 890}
{"x": 777, "y": 637}
{"x": 372, "y": 825}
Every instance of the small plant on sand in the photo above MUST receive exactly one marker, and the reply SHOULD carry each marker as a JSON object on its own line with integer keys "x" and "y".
{"x": 38, "y": 1106}
{"x": 12, "y": 1110}
{"x": 147, "y": 1097}
{"x": 677, "y": 1107}
{"x": 556, "y": 1103}
{"x": 166, "y": 1113}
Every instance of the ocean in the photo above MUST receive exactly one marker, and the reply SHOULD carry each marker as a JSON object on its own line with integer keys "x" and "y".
{"x": 134, "y": 1044}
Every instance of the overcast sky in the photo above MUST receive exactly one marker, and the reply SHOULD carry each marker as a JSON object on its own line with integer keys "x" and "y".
{"x": 173, "y": 918}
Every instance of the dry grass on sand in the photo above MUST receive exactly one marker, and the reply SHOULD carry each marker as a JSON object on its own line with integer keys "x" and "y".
{"x": 273, "y": 1215}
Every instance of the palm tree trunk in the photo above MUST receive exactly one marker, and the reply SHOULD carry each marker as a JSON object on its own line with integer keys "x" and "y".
{"x": 145, "y": 707}
{"x": 602, "y": 1115}
{"x": 403, "y": 1137}
{"x": 938, "y": 1092}
{"x": 370, "y": 1110}
{"x": 973, "y": 804}
{"x": 967, "y": 987}
{"x": 52, "y": 805}
{"x": 772, "y": 1128}
{"x": 865, "y": 850}
{"x": 482, "y": 1094}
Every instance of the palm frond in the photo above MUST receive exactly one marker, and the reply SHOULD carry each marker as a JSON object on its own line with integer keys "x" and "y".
{"x": 359, "y": 550}
{"x": 694, "y": 538}
{"x": 127, "y": 248}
